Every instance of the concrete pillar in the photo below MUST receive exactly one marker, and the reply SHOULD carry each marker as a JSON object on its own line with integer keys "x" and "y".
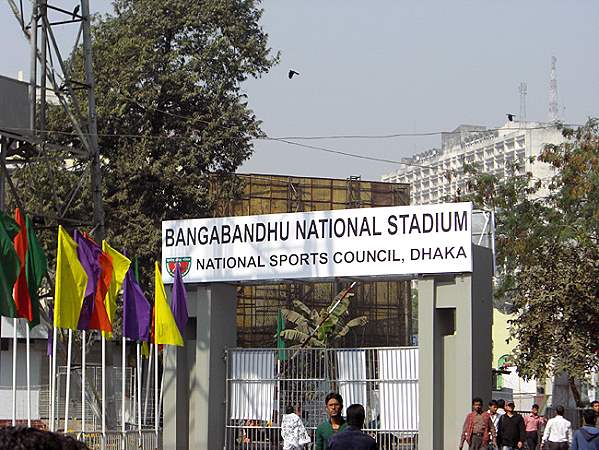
{"x": 455, "y": 315}
{"x": 194, "y": 395}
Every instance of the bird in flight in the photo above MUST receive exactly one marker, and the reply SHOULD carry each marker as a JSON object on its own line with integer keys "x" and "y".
{"x": 510, "y": 117}
{"x": 291, "y": 73}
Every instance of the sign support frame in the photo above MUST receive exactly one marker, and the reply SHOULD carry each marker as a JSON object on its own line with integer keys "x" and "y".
{"x": 455, "y": 318}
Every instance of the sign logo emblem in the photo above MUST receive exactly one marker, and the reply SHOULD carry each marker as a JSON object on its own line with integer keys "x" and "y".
{"x": 184, "y": 263}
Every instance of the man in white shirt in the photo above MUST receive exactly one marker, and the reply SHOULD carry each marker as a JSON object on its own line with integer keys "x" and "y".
{"x": 494, "y": 418}
{"x": 501, "y": 407}
{"x": 558, "y": 432}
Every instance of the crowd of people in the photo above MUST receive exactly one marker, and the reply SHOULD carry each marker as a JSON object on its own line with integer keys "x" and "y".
{"x": 335, "y": 433}
{"x": 500, "y": 427}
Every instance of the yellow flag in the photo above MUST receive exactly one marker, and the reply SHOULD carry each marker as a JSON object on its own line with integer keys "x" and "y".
{"x": 71, "y": 281}
{"x": 165, "y": 327}
{"x": 145, "y": 350}
{"x": 120, "y": 266}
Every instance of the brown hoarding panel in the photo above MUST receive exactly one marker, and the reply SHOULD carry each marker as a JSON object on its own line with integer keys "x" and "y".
{"x": 387, "y": 304}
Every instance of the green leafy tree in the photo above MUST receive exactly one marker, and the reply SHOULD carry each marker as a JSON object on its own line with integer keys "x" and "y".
{"x": 172, "y": 117}
{"x": 547, "y": 255}
{"x": 557, "y": 320}
{"x": 320, "y": 328}
{"x": 512, "y": 200}
{"x": 172, "y": 120}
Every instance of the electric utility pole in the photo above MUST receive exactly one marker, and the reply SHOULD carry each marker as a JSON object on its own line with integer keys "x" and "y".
{"x": 96, "y": 168}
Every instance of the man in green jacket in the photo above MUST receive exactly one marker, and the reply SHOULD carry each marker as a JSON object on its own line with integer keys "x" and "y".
{"x": 334, "y": 424}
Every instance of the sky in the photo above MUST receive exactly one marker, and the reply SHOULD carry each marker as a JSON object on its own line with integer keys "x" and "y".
{"x": 391, "y": 66}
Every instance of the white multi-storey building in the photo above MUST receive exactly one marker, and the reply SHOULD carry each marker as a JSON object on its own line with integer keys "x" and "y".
{"x": 437, "y": 175}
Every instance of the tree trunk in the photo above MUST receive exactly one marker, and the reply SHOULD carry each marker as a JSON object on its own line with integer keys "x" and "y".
{"x": 575, "y": 392}
{"x": 577, "y": 399}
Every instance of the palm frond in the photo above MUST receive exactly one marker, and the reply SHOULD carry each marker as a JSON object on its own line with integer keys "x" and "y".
{"x": 294, "y": 317}
{"x": 302, "y": 307}
{"x": 294, "y": 335}
{"x": 315, "y": 316}
{"x": 341, "y": 308}
{"x": 357, "y": 322}
{"x": 343, "y": 331}
{"x": 299, "y": 338}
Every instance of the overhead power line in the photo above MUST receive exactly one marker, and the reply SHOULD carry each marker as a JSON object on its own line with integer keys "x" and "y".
{"x": 284, "y": 141}
{"x": 290, "y": 141}
{"x": 343, "y": 136}
{"x": 413, "y": 134}
{"x": 351, "y": 155}
{"x": 295, "y": 138}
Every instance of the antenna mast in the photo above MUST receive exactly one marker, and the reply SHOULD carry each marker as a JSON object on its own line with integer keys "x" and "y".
{"x": 523, "y": 90}
{"x": 553, "y": 108}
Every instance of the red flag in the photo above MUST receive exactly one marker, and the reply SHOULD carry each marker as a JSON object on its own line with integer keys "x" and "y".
{"x": 21, "y": 289}
{"x": 99, "y": 319}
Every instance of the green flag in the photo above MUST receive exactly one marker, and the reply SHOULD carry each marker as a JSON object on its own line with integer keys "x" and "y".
{"x": 9, "y": 265}
{"x": 280, "y": 340}
{"x": 36, "y": 268}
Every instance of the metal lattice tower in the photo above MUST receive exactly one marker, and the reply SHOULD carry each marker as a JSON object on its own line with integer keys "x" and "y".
{"x": 51, "y": 73}
{"x": 523, "y": 88}
{"x": 553, "y": 107}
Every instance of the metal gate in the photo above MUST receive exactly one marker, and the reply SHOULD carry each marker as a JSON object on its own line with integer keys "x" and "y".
{"x": 262, "y": 382}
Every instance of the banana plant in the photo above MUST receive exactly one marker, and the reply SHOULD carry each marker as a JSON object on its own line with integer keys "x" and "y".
{"x": 320, "y": 328}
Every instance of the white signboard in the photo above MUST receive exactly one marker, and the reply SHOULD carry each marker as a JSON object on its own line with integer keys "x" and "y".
{"x": 396, "y": 240}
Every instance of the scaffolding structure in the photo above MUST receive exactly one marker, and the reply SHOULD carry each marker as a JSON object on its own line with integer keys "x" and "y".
{"x": 387, "y": 304}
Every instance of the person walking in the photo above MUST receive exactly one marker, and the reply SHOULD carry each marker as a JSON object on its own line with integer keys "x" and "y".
{"x": 335, "y": 422}
{"x": 478, "y": 429}
{"x": 352, "y": 438}
{"x": 293, "y": 432}
{"x": 595, "y": 406}
{"x": 501, "y": 407}
{"x": 587, "y": 437}
{"x": 494, "y": 420}
{"x": 558, "y": 431}
{"x": 510, "y": 430}
{"x": 533, "y": 424}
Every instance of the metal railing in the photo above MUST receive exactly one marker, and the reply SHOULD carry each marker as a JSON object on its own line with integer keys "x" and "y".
{"x": 93, "y": 401}
{"x": 266, "y": 437}
{"x": 115, "y": 440}
{"x": 93, "y": 390}
{"x": 261, "y": 383}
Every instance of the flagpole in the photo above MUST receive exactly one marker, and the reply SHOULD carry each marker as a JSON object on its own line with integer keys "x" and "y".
{"x": 156, "y": 412}
{"x": 68, "y": 393}
{"x": 162, "y": 381}
{"x": 148, "y": 378}
{"x": 50, "y": 381}
{"x": 123, "y": 387}
{"x": 138, "y": 379}
{"x": 83, "y": 361}
{"x": 14, "y": 372}
{"x": 279, "y": 382}
{"x": 53, "y": 400}
{"x": 103, "y": 385}
{"x": 28, "y": 376}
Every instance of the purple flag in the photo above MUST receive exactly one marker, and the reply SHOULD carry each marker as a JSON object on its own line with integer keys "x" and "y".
{"x": 88, "y": 253}
{"x": 137, "y": 311}
{"x": 179, "y": 303}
